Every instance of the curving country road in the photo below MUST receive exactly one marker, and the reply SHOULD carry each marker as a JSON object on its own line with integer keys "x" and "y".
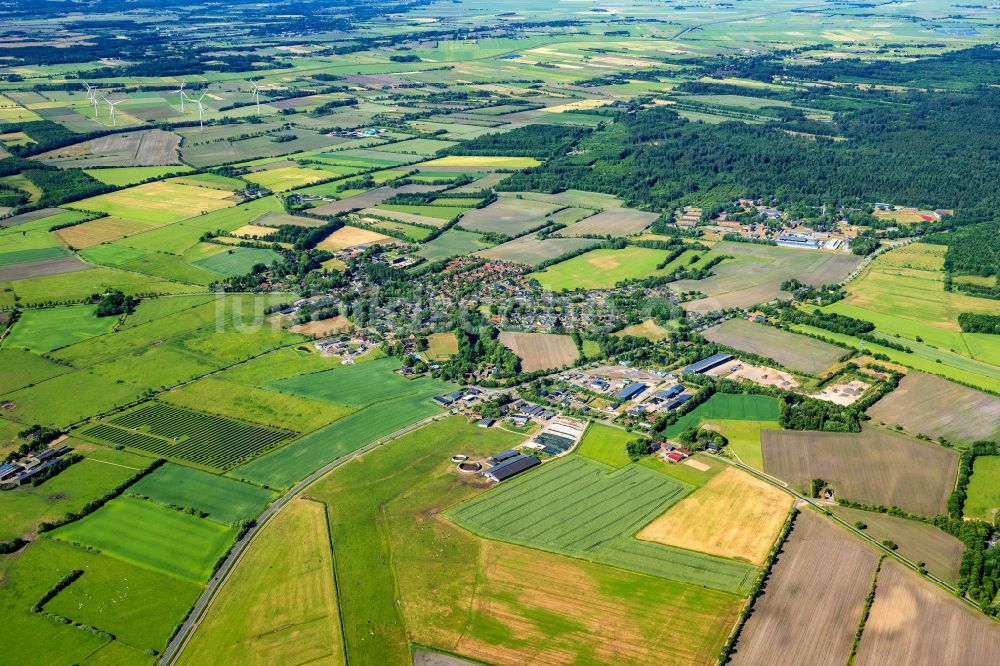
{"x": 239, "y": 549}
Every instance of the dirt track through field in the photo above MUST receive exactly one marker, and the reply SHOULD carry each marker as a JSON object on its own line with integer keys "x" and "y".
{"x": 813, "y": 599}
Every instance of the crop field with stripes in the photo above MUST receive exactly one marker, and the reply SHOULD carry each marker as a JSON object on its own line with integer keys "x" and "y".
{"x": 581, "y": 508}
{"x": 203, "y": 440}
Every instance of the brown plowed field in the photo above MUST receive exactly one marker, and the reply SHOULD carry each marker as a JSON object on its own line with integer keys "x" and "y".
{"x": 916, "y": 623}
{"x": 540, "y": 351}
{"x": 813, "y": 600}
{"x": 929, "y": 405}
{"x": 875, "y": 466}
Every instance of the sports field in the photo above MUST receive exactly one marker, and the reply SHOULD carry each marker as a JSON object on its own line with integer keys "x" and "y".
{"x": 602, "y": 269}
{"x": 441, "y": 346}
{"x": 932, "y": 406}
{"x": 874, "y": 466}
{"x": 649, "y": 329}
{"x": 152, "y": 536}
{"x": 280, "y": 603}
{"x": 43, "y": 330}
{"x": 606, "y": 444}
{"x": 814, "y": 599}
{"x": 733, "y": 515}
{"x": 983, "y": 497}
{"x": 796, "y": 352}
{"x": 225, "y": 500}
{"x": 580, "y": 508}
{"x": 541, "y": 351}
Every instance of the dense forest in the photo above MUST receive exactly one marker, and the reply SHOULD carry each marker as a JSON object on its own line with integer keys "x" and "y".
{"x": 936, "y": 150}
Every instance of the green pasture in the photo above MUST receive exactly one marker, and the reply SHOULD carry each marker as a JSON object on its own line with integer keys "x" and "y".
{"x": 68, "y": 492}
{"x": 238, "y": 260}
{"x": 452, "y": 243}
{"x": 606, "y": 444}
{"x": 983, "y": 496}
{"x": 728, "y": 407}
{"x": 297, "y": 460}
{"x": 22, "y": 367}
{"x": 124, "y": 176}
{"x": 359, "y": 385}
{"x": 226, "y": 501}
{"x": 80, "y": 285}
{"x": 152, "y": 536}
{"x": 46, "y": 329}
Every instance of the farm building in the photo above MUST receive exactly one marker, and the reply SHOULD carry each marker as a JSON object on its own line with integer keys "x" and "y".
{"x": 799, "y": 240}
{"x": 676, "y": 402}
{"x": 704, "y": 365}
{"x": 486, "y": 423}
{"x": 498, "y": 458}
{"x": 675, "y": 390}
{"x": 630, "y": 391}
{"x": 511, "y": 467}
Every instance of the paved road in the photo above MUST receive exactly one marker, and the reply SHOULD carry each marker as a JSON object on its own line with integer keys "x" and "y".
{"x": 843, "y": 523}
{"x": 239, "y": 549}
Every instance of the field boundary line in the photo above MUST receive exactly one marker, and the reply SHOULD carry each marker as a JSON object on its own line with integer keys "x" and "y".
{"x": 241, "y": 547}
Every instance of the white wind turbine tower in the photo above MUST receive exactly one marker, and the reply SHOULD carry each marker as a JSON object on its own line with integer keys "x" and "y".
{"x": 201, "y": 109}
{"x": 182, "y": 94}
{"x": 255, "y": 95}
{"x": 112, "y": 105}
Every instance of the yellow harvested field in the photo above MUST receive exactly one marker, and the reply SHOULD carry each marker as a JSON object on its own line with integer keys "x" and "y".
{"x": 592, "y": 614}
{"x": 99, "y": 231}
{"x": 441, "y": 346}
{"x": 580, "y": 105}
{"x": 484, "y": 161}
{"x": 251, "y": 230}
{"x": 161, "y": 202}
{"x": 280, "y": 604}
{"x": 733, "y": 515}
{"x": 346, "y": 237}
{"x": 323, "y": 327}
{"x": 648, "y": 329}
{"x": 541, "y": 351}
{"x": 914, "y": 622}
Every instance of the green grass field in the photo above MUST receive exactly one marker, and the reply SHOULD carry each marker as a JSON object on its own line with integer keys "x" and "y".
{"x": 225, "y": 500}
{"x": 122, "y": 176}
{"x": 22, "y": 367}
{"x": 744, "y": 438}
{"x": 42, "y": 331}
{"x": 238, "y": 261}
{"x": 139, "y": 607}
{"x": 983, "y": 499}
{"x": 576, "y": 507}
{"x": 728, "y": 407}
{"x": 152, "y": 536}
{"x": 357, "y": 385}
{"x": 295, "y": 461}
{"x": 606, "y": 444}
{"x": 68, "y": 492}
{"x": 451, "y": 244}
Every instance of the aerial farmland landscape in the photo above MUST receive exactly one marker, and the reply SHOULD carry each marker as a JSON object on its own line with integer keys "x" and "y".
{"x": 452, "y": 333}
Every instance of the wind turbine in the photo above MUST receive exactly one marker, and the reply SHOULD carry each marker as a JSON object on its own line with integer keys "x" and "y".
{"x": 112, "y": 105}
{"x": 255, "y": 95}
{"x": 182, "y": 93}
{"x": 201, "y": 109}
{"x": 91, "y": 96}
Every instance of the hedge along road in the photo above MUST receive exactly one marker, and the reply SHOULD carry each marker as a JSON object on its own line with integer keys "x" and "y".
{"x": 239, "y": 549}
